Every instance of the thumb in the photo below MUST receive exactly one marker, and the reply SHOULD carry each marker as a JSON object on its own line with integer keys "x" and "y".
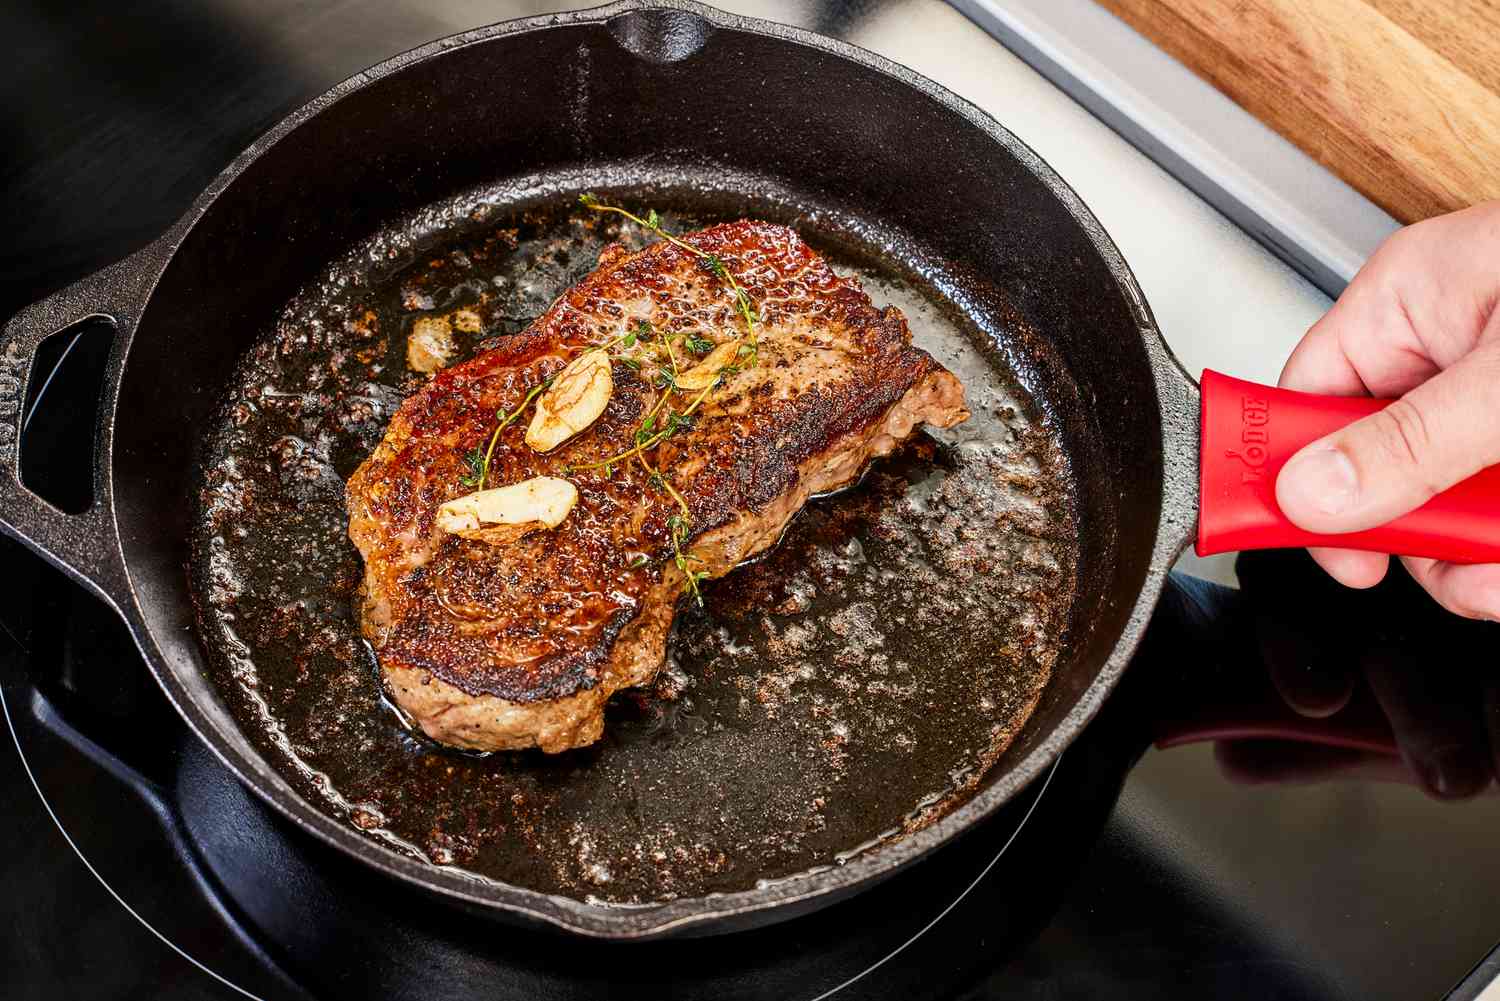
{"x": 1393, "y": 461}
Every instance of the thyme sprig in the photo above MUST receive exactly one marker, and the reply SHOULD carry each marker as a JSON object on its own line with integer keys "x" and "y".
{"x": 712, "y": 262}
{"x": 680, "y": 526}
{"x": 478, "y": 460}
{"x": 661, "y": 421}
{"x": 479, "y": 463}
{"x": 647, "y": 436}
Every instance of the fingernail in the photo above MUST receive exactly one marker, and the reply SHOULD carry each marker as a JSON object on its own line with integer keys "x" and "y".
{"x": 1323, "y": 480}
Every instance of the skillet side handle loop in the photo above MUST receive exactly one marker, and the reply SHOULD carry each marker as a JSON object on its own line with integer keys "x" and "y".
{"x": 86, "y": 546}
{"x": 1249, "y": 431}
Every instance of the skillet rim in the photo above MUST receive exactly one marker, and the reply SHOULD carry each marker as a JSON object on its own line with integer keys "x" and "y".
{"x": 1177, "y": 406}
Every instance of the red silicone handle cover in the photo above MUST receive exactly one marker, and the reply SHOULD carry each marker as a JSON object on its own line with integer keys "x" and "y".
{"x": 1249, "y": 431}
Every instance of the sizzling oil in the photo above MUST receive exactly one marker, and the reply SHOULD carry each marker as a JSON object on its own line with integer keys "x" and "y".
{"x": 852, "y": 685}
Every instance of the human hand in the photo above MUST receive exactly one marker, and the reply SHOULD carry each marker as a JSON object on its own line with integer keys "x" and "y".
{"x": 1418, "y": 322}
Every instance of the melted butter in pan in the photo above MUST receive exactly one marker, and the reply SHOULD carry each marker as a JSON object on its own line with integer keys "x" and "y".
{"x": 852, "y": 685}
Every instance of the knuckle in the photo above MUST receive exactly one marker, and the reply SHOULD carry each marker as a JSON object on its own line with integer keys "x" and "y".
{"x": 1402, "y": 437}
{"x": 1485, "y": 360}
{"x": 1462, "y": 605}
{"x": 1405, "y": 243}
{"x": 1463, "y": 596}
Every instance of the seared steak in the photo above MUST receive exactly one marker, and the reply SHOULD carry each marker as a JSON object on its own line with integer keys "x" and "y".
{"x": 516, "y": 643}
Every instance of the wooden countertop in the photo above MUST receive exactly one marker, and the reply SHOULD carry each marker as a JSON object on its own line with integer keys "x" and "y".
{"x": 1400, "y": 98}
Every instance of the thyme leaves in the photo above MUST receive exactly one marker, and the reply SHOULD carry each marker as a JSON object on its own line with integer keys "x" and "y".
{"x": 668, "y": 415}
{"x": 715, "y": 265}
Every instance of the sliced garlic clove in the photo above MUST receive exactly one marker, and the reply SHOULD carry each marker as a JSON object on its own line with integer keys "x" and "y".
{"x": 430, "y": 345}
{"x": 575, "y": 400}
{"x": 468, "y": 320}
{"x": 706, "y": 371}
{"x": 504, "y": 514}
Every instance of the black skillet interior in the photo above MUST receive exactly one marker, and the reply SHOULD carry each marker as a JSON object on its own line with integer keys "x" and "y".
{"x": 725, "y": 116}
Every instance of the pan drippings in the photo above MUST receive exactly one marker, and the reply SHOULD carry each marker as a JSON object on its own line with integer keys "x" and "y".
{"x": 851, "y": 686}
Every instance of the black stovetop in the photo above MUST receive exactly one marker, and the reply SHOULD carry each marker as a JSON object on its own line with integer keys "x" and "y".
{"x": 1325, "y": 866}
{"x": 1323, "y": 863}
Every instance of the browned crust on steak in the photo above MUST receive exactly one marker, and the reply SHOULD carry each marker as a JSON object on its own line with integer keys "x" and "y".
{"x": 506, "y": 646}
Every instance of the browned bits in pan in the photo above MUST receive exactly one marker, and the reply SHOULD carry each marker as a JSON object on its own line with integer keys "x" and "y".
{"x": 852, "y": 685}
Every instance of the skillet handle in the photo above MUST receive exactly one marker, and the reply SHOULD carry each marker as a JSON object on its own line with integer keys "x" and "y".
{"x": 86, "y": 546}
{"x": 1248, "y": 433}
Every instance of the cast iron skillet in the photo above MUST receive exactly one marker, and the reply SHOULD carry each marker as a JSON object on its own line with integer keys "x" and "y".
{"x": 629, "y": 88}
